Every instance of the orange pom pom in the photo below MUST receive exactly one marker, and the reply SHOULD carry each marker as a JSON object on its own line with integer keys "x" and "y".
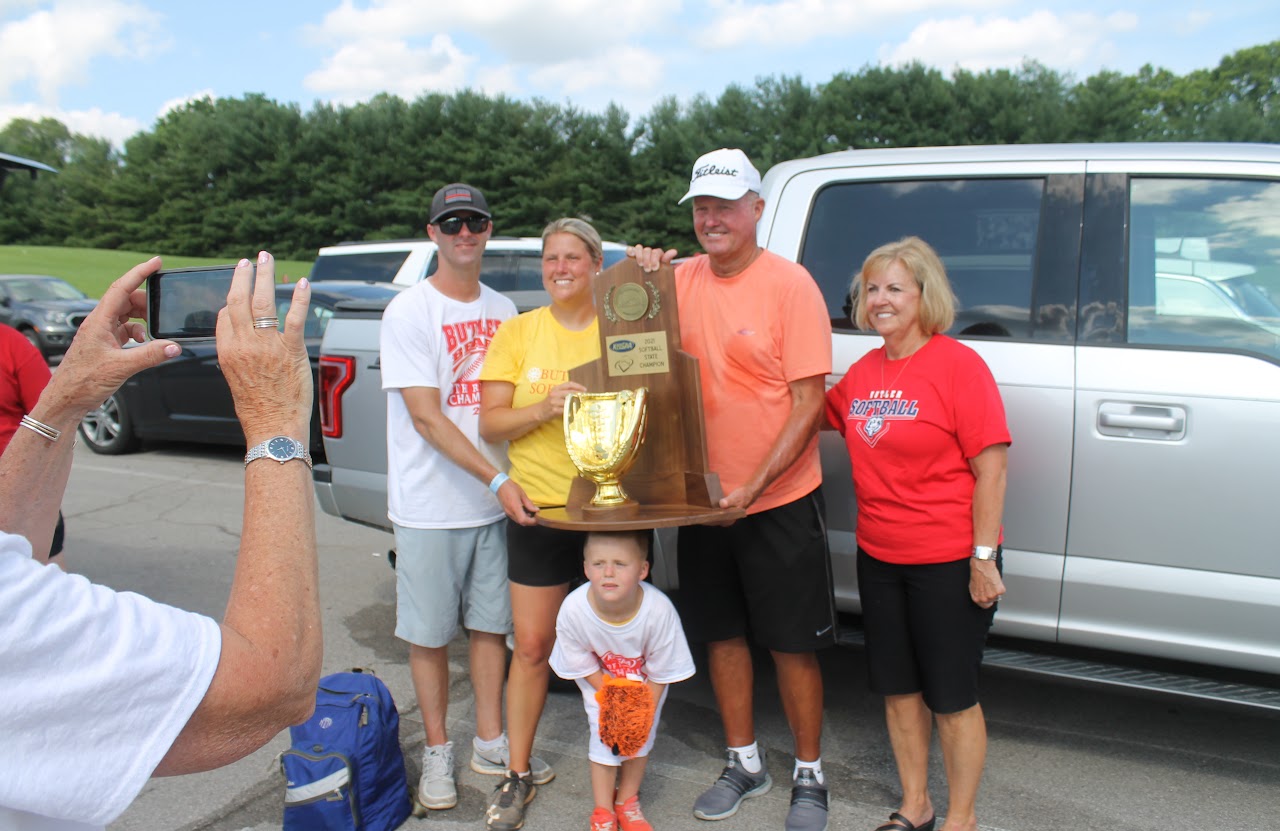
{"x": 626, "y": 715}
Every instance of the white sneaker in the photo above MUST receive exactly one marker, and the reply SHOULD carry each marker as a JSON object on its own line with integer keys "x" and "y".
{"x": 436, "y": 788}
{"x": 495, "y": 763}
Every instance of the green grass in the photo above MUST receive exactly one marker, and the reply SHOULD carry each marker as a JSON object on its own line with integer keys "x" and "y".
{"x": 92, "y": 270}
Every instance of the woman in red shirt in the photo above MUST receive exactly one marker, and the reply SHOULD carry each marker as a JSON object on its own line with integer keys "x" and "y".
{"x": 23, "y": 376}
{"x": 926, "y": 433}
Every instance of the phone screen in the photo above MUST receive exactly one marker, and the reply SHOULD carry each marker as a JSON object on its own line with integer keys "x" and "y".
{"x": 183, "y": 303}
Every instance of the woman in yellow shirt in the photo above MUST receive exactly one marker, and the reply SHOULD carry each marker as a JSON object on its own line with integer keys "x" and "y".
{"x": 524, "y": 383}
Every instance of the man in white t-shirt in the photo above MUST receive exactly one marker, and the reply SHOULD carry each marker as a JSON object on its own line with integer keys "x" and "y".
{"x": 100, "y": 690}
{"x": 447, "y": 489}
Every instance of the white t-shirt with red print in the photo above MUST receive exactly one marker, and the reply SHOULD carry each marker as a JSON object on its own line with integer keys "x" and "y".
{"x": 430, "y": 340}
{"x": 649, "y": 647}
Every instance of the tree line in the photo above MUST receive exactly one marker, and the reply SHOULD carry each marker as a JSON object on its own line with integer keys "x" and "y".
{"x": 220, "y": 177}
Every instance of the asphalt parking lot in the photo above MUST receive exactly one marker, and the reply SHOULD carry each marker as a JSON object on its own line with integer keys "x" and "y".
{"x": 1062, "y": 756}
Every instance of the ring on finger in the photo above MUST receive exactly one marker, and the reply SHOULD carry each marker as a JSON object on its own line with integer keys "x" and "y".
{"x": 266, "y": 322}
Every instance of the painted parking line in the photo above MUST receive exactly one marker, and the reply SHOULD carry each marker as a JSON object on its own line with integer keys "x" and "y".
{"x": 115, "y": 471}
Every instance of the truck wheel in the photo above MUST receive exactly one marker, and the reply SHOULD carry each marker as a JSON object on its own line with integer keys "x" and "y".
{"x": 108, "y": 429}
{"x": 33, "y": 339}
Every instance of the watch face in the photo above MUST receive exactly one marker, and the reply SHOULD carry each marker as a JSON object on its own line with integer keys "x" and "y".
{"x": 281, "y": 447}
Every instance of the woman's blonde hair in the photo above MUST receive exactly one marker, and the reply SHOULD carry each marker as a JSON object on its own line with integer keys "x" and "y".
{"x": 579, "y": 228}
{"x": 937, "y": 300}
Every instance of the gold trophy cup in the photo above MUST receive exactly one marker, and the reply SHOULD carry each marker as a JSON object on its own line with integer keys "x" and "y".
{"x": 603, "y": 432}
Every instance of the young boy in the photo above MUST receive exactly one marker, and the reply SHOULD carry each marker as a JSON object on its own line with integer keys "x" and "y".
{"x": 616, "y": 627}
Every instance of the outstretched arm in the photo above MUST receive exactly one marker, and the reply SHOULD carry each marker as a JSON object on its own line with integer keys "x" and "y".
{"x": 34, "y": 469}
{"x": 271, "y": 637}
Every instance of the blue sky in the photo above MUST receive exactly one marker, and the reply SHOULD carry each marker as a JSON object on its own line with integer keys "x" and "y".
{"x": 111, "y": 67}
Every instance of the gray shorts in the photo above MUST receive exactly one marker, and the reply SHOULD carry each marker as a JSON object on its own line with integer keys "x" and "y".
{"x": 447, "y": 576}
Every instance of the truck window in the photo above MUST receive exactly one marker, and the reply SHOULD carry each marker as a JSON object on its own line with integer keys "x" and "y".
{"x": 379, "y": 267}
{"x": 1204, "y": 263}
{"x": 985, "y": 230}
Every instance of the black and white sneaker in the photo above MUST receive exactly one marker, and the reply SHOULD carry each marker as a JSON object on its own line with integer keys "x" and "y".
{"x": 808, "y": 803}
{"x": 510, "y": 798}
{"x": 735, "y": 784}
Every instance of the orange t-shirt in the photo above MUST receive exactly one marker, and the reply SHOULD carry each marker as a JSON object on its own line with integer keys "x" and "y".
{"x": 753, "y": 334}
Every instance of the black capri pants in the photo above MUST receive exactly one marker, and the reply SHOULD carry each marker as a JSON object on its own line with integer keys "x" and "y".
{"x": 542, "y": 556}
{"x": 538, "y": 555}
{"x": 924, "y": 633}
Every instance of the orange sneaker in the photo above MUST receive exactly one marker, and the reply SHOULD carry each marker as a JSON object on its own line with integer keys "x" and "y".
{"x": 629, "y": 816}
{"x": 602, "y": 820}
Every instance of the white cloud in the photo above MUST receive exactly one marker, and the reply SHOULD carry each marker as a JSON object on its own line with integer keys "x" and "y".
{"x": 522, "y": 30}
{"x": 182, "y": 101}
{"x": 408, "y": 47}
{"x": 1193, "y": 22}
{"x": 736, "y": 23}
{"x": 497, "y": 80}
{"x": 364, "y": 68}
{"x": 54, "y": 47}
{"x": 113, "y": 127}
{"x": 628, "y": 68}
{"x": 1060, "y": 41}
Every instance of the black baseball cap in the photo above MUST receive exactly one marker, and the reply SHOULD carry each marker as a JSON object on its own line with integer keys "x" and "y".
{"x": 457, "y": 197}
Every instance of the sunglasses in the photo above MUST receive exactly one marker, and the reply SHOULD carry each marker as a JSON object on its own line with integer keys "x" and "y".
{"x": 453, "y": 225}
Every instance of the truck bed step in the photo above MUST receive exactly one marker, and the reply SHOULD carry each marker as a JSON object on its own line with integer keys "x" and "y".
{"x": 1190, "y": 686}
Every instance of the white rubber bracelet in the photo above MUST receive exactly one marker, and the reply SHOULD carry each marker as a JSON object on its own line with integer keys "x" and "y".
{"x": 497, "y": 481}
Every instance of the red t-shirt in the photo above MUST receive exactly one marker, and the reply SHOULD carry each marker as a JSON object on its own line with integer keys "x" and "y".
{"x": 23, "y": 376}
{"x": 911, "y": 427}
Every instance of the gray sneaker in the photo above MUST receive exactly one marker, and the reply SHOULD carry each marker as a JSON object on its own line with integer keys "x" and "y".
{"x": 496, "y": 762}
{"x": 436, "y": 788}
{"x": 808, "y": 803}
{"x": 506, "y": 806}
{"x": 735, "y": 784}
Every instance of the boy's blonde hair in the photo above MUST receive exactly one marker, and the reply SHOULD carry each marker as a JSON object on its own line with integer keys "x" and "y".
{"x": 639, "y": 538}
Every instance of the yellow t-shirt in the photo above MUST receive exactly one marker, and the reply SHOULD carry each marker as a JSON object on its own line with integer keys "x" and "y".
{"x": 534, "y": 353}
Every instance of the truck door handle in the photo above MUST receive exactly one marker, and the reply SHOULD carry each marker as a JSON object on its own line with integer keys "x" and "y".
{"x": 1140, "y": 420}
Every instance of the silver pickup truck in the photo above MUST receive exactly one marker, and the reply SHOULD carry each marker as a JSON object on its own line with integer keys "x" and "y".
{"x": 1125, "y": 298}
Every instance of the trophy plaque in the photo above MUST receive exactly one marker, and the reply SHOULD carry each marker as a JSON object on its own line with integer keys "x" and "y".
{"x": 637, "y": 436}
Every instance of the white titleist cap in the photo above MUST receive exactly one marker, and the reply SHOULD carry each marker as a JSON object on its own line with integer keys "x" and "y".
{"x": 726, "y": 173}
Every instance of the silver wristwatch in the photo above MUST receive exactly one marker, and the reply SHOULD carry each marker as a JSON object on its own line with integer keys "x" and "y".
{"x": 984, "y": 552}
{"x": 280, "y": 448}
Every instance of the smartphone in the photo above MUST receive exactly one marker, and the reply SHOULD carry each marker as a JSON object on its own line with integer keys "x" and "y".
{"x": 183, "y": 303}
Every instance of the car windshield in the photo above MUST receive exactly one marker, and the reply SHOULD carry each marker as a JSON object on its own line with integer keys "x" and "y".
{"x": 24, "y": 291}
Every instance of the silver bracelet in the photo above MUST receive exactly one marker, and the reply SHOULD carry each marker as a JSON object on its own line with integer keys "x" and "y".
{"x": 50, "y": 433}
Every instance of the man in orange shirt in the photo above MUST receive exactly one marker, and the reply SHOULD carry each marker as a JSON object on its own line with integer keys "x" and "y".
{"x": 759, "y": 327}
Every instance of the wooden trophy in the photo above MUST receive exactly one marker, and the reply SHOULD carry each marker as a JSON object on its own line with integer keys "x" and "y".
{"x": 666, "y": 480}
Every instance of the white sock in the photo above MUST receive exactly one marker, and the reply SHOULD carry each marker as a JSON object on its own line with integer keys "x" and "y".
{"x": 492, "y": 744}
{"x": 815, "y": 766}
{"x": 750, "y": 757}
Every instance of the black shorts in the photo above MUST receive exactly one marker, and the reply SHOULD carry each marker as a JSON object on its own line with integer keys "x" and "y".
{"x": 924, "y": 633}
{"x": 59, "y": 533}
{"x": 542, "y": 556}
{"x": 767, "y": 576}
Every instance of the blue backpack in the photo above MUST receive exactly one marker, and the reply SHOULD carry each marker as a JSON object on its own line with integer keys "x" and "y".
{"x": 345, "y": 771}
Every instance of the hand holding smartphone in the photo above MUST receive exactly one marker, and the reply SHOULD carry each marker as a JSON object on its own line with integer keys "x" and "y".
{"x": 183, "y": 303}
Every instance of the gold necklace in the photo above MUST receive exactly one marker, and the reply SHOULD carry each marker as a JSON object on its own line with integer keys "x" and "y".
{"x": 884, "y": 359}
